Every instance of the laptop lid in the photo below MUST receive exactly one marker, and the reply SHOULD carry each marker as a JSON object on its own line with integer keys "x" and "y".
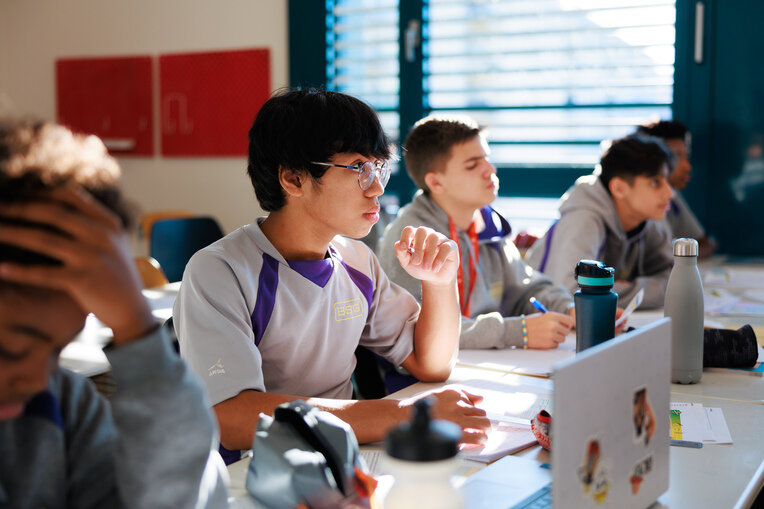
{"x": 610, "y": 435}
{"x": 610, "y": 422}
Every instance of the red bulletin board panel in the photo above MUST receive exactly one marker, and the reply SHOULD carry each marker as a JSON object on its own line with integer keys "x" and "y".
{"x": 209, "y": 100}
{"x": 109, "y": 97}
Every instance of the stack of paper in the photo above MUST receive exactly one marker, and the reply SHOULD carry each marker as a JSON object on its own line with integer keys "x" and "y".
{"x": 693, "y": 422}
{"x": 510, "y": 404}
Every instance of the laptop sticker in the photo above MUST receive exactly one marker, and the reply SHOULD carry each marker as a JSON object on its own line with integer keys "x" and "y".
{"x": 593, "y": 474}
{"x": 641, "y": 470}
{"x": 644, "y": 419}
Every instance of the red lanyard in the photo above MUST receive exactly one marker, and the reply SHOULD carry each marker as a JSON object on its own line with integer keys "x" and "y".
{"x": 464, "y": 302}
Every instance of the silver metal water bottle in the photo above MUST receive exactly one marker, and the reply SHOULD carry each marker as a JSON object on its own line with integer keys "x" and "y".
{"x": 684, "y": 304}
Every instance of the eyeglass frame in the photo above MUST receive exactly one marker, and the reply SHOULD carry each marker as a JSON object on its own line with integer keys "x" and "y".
{"x": 380, "y": 169}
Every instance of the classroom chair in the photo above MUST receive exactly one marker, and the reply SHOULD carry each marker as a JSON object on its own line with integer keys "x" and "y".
{"x": 174, "y": 241}
{"x": 147, "y": 219}
{"x": 150, "y": 271}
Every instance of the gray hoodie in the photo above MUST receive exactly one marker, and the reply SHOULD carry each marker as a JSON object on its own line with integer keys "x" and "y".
{"x": 589, "y": 228}
{"x": 153, "y": 445}
{"x": 504, "y": 283}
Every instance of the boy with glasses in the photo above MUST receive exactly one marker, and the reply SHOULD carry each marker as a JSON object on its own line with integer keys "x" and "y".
{"x": 448, "y": 160}
{"x": 275, "y": 310}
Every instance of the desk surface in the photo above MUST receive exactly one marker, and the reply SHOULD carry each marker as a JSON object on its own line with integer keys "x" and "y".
{"x": 84, "y": 355}
{"x": 713, "y": 476}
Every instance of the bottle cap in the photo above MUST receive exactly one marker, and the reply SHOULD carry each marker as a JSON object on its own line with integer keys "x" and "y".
{"x": 594, "y": 273}
{"x": 423, "y": 439}
{"x": 685, "y": 247}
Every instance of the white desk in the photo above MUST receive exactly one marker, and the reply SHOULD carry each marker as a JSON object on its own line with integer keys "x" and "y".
{"x": 84, "y": 355}
{"x": 719, "y": 475}
{"x": 715, "y": 476}
{"x": 722, "y": 476}
{"x": 724, "y": 386}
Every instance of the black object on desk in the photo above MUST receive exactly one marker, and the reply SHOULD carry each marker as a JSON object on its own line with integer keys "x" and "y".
{"x": 725, "y": 348}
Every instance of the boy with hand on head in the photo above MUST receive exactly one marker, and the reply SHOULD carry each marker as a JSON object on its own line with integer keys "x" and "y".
{"x": 64, "y": 253}
{"x": 680, "y": 221}
{"x": 448, "y": 160}
{"x": 275, "y": 310}
{"x": 614, "y": 216}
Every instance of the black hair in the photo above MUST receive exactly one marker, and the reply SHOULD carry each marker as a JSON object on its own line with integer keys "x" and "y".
{"x": 633, "y": 156}
{"x": 295, "y": 127}
{"x": 664, "y": 129}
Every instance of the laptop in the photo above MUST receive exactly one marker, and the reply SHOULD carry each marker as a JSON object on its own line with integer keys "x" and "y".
{"x": 610, "y": 432}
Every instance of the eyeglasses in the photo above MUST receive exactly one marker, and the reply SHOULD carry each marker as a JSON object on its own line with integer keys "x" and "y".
{"x": 367, "y": 172}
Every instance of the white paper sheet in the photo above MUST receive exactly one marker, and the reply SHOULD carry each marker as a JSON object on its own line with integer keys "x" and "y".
{"x": 701, "y": 424}
{"x": 517, "y": 360}
{"x": 511, "y": 403}
{"x": 719, "y": 430}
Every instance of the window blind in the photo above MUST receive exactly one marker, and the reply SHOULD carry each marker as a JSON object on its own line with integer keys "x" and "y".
{"x": 550, "y": 78}
{"x": 362, "y": 41}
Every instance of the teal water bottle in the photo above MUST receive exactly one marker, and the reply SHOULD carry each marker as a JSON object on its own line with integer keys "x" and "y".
{"x": 595, "y": 304}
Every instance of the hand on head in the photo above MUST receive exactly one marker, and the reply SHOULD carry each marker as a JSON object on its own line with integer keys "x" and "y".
{"x": 458, "y": 406}
{"x": 96, "y": 268}
{"x": 427, "y": 255}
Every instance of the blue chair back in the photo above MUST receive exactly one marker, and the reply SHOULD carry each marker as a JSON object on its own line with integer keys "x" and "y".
{"x": 174, "y": 241}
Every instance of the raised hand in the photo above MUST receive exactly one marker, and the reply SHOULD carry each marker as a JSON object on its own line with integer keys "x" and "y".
{"x": 427, "y": 255}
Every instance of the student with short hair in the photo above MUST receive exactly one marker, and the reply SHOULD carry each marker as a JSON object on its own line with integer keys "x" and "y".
{"x": 680, "y": 221}
{"x": 448, "y": 159}
{"x": 614, "y": 216}
{"x": 275, "y": 310}
{"x": 64, "y": 253}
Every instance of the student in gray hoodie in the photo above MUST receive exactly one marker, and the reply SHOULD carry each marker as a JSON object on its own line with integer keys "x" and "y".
{"x": 680, "y": 220}
{"x": 63, "y": 253}
{"x": 448, "y": 160}
{"x": 614, "y": 216}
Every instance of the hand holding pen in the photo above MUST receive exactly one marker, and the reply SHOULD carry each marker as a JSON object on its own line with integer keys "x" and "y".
{"x": 538, "y": 305}
{"x": 547, "y": 329}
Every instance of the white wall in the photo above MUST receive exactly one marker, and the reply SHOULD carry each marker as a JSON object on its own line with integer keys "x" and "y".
{"x": 34, "y": 33}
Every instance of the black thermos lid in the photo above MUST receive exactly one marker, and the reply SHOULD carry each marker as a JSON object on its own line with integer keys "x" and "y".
{"x": 423, "y": 439}
{"x": 593, "y": 268}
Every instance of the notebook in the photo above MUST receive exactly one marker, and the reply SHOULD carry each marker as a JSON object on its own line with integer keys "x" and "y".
{"x": 610, "y": 431}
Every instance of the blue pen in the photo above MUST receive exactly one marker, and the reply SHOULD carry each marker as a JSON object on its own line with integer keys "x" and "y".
{"x": 538, "y": 305}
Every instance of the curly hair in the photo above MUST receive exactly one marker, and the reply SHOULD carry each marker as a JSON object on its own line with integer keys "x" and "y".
{"x": 36, "y": 156}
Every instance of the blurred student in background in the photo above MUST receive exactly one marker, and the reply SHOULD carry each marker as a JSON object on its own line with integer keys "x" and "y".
{"x": 680, "y": 220}
{"x": 614, "y": 216}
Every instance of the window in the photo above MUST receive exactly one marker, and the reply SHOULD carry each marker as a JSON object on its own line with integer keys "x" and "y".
{"x": 549, "y": 78}
{"x": 362, "y": 47}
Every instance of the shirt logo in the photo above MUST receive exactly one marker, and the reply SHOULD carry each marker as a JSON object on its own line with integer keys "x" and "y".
{"x": 347, "y": 309}
{"x": 497, "y": 290}
{"x": 216, "y": 369}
